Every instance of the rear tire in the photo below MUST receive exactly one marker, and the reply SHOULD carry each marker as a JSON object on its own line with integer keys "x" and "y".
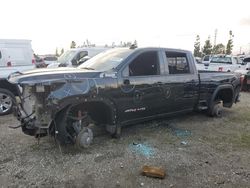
{"x": 7, "y": 101}
{"x": 216, "y": 109}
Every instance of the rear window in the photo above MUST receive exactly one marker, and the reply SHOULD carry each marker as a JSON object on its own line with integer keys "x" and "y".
{"x": 50, "y": 58}
{"x": 226, "y": 60}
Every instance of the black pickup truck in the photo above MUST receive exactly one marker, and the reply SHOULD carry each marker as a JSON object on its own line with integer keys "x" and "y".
{"x": 115, "y": 88}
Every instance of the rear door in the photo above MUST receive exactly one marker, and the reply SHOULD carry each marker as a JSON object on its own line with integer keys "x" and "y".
{"x": 182, "y": 81}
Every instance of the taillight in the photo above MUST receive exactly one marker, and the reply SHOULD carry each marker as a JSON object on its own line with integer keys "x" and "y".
{"x": 33, "y": 61}
{"x": 9, "y": 64}
{"x": 220, "y": 69}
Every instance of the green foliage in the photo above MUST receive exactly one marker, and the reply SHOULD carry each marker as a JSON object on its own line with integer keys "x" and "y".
{"x": 230, "y": 45}
{"x": 73, "y": 44}
{"x": 219, "y": 49}
{"x": 207, "y": 48}
{"x": 197, "y": 47}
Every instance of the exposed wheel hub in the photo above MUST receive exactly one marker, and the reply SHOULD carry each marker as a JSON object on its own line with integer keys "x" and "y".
{"x": 84, "y": 138}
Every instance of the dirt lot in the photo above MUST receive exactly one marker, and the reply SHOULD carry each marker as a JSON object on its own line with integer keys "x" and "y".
{"x": 195, "y": 150}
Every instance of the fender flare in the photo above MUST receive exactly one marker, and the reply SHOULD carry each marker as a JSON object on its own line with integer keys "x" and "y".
{"x": 219, "y": 88}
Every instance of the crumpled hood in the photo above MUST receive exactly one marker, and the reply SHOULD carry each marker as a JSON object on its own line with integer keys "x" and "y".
{"x": 61, "y": 74}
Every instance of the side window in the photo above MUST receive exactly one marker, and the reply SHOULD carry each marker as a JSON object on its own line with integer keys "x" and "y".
{"x": 0, "y": 55}
{"x": 82, "y": 54}
{"x": 144, "y": 64}
{"x": 79, "y": 56}
{"x": 177, "y": 63}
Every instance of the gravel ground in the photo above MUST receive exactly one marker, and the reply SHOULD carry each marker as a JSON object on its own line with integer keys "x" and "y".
{"x": 195, "y": 150}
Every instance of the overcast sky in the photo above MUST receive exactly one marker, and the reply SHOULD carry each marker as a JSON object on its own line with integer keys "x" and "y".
{"x": 167, "y": 23}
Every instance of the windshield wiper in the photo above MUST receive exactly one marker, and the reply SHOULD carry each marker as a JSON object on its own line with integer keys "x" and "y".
{"x": 88, "y": 68}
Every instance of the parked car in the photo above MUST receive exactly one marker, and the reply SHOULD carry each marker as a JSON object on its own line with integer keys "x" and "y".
{"x": 15, "y": 56}
{"x": 117, "y": 88}
{"x": 49, "y": 59}
{"x": 222, "y": 63}
{"x": 39, "y": 62}
{"x": 246, "y": 62}
{"x": 76, "y": 56}
{"x": 198, "y": 60}
{"x": 245, "y": 73}
{"x": 206, "y": 59}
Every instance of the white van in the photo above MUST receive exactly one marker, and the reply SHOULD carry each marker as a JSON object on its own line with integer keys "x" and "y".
{"x": 15, "y": 56}
{"x": 76, "y": 56}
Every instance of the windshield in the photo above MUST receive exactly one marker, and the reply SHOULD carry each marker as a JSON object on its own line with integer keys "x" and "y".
{"x": 206, "y": 58}
{"x": 66, "y": 56}
{"x": 246, "y": 60}
{"x": 106, "y": 60}
{"x": 226, "y": 60}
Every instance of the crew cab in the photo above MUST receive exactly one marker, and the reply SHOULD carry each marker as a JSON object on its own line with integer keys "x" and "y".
{"x": 116, "y": 88}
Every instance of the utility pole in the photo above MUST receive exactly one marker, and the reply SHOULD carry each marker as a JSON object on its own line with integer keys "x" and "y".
{"x": 215, "y": 36}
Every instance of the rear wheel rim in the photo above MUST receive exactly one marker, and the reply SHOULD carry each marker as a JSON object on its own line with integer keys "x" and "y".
{"x": 5, "y": 103}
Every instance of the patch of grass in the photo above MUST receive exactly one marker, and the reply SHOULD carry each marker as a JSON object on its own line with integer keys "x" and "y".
{"x": 244, "y": 140}
{"x": 241, "y": 140}
{"x": 240, "y": 117}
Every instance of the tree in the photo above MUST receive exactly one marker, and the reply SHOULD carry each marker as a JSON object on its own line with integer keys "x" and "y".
{"x": 73, "y": 44}
{"x": 57, "y": 52}
{"x": 197, "y": 47}
{"x": 135, "y": 43}
{"x": 219, "y": 49}
{"x": 207, "y": 49}
{"x": 230, "y": 45}
{"x": 62, "y": 51}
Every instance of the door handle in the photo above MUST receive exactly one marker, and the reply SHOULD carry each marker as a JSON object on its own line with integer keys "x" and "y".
{"x": 126, "y": 82}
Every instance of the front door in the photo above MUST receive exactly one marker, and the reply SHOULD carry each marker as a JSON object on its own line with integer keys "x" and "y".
{"x": 140, "y": 87}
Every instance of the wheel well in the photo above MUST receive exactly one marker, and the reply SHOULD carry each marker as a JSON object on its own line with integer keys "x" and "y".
{"x": 99, "y": 112}
{"x": 226, "y": 95}
{"x": 4, "y": 84}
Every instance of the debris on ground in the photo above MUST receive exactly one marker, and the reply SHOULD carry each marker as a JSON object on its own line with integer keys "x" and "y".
{"x": 154, "y": 172}
{"x": 143, "y": 149}
{"x": 180, "y": 132}
{"x": 184, "y": 143}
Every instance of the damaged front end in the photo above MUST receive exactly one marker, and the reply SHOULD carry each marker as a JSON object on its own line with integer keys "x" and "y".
{"x": 52, "y": 104}
{"x": 32, "y": 109}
